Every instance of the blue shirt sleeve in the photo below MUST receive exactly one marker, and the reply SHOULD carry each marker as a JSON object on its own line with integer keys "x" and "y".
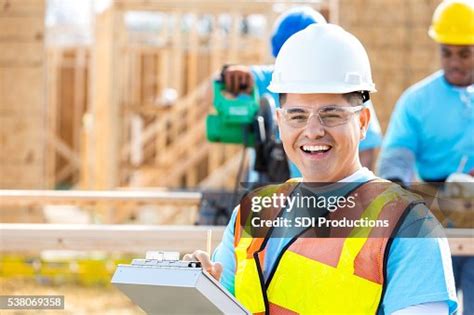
{"x": 401, "y": 143}
{"x": 419, "y": 267}
{"x": 403, "y": 129}
{"x": 224, "y": 253}
{"x": 262, "y": 76}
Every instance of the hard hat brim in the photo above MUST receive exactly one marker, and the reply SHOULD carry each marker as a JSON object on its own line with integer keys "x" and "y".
{"x": 451, "y": 39}
{"x": 329, "y": 88}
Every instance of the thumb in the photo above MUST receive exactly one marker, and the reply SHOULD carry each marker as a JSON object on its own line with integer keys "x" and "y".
{"x": 216, "y": 270}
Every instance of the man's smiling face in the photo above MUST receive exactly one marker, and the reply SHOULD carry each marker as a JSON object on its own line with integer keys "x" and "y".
{"x": 321, "y": 153}
{"x": 458, "y": 64}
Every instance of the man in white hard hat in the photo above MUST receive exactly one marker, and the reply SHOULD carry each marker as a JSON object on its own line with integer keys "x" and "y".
{"x": 237, "y": 76}
{"x": 322, "y": 75}
{"x": 431, "y": 132}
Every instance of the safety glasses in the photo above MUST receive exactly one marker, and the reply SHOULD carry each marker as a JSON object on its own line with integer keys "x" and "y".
{"x": 329, "y": 116}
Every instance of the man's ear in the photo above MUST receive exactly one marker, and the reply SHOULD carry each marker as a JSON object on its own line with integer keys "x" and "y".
{"x": 364, "y": 119}
{"x": 278, "y": 117}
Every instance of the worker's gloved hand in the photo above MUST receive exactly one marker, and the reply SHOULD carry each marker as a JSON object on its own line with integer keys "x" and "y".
{"x": 213, "y": 268}
{"x": 238, "y": 79}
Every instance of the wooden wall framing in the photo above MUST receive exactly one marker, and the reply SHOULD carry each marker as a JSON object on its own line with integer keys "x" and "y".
{"x": 96, "y": 117}
{"x": 23, "y": 111}
{"x": 138, "y": 135}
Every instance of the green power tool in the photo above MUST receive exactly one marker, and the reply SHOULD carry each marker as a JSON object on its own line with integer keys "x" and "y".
{"x": 249, "y": 120}
{"x": 235, "y": 118}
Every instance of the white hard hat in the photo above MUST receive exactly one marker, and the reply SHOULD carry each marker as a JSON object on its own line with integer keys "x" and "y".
{"x": 322, "y": 58}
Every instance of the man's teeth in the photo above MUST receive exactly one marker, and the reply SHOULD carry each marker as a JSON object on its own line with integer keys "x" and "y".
{"x": 316, "y": 148}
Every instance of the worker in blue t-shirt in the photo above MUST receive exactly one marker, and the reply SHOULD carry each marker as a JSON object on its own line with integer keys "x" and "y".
{"x": 357, "y": 270}
{"x": 241, "y": 78}
{"x": 431, "y": 132}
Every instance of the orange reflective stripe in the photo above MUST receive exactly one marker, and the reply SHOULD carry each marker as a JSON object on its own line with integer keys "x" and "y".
{"x": 372, "y": 254}
{"x": 254, "y": 247}
{"x": 237, "y": 228}
{"x": 275, "y": 309}
{"x": 373, "y": 251}
{"x": 358, "y": 236}
{"x": 324, "y": 250}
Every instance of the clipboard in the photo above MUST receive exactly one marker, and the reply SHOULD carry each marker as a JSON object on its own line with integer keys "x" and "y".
{"x": 174, "y": 287}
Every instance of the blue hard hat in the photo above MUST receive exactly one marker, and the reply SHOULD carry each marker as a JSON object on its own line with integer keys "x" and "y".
{"x": 290, "y": 22}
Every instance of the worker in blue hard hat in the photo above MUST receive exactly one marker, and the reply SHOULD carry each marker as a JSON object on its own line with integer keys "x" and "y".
{"x": 290, "y": 22}
{"x": 242, "y": 78}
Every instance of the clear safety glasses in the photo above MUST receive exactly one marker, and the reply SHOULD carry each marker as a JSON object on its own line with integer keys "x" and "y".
{"x": 329, "y": 116}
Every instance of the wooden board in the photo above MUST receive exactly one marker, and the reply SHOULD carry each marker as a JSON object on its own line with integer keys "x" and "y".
{"x": 29, "y": 53}
{"x": 122, "y": 238}
{"x": 22, "y": 102}
{"x": 28, "y": 28}
{"x": 21, "y": 53}
{"x": 21, "y": 215}
{"x": 141, "y": 238}
{"x": 22, "y": 90}
{"x": 43, "y": 197}
{"x": 21, "y": 139}
{"x": 21, "y": 175}
{"x": 206, "y": 6}
{"x": 22, "y": 7}
{"x": 106, "y": 72}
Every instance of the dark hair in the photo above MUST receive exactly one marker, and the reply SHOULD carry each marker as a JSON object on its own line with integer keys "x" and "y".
{"x": 354, "y": 98}
{"x": 282, "y": 98}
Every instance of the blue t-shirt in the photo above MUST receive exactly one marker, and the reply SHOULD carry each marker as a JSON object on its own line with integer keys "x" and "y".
{"x": 419, "y": 269}
{"x": 435, "y": 122}
{"x": 373, "y": 138}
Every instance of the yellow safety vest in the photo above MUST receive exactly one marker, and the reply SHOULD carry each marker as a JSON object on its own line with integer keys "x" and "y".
{"x": 343, "y": 275}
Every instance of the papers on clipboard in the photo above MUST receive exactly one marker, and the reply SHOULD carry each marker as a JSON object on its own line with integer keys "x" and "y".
{"x": 161, "y": 286}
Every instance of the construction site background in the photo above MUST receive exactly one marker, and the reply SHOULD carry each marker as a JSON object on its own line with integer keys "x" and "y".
{"x": 112, "y": 95}
{"x": 119, "y": 98}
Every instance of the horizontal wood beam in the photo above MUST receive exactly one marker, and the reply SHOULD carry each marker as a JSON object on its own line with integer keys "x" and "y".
{"x": 210, "y": 6}
{"x": 461, "y": 241}
{"x": 140, "y": 238}
{"x": 120, "y": 238}
{"x": 462, "y": 246}
{"x": 21, "y": 197}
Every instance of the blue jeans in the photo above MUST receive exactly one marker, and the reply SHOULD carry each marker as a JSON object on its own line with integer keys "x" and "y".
{"x": 463, "y": 267}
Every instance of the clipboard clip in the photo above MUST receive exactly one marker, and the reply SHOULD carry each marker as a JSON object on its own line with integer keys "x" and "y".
{"x": 165, "y": 259}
